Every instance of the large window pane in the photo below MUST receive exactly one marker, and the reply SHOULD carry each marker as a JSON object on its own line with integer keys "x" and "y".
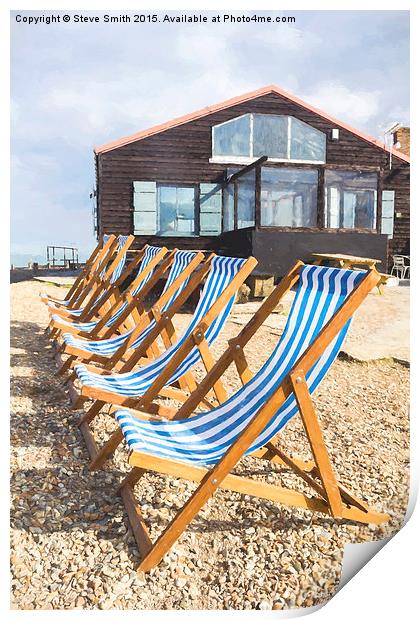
{"x": 233, "y": 137}
{"x": 350, "y": 199}
{"x": 270, "y": 136}
{"x": 289, "y": 197}
{"x": 246, "y": 200}
{"x": 176, "y": 210}
{"x": 306, "y": 143}
{"x": 228, "y": 208}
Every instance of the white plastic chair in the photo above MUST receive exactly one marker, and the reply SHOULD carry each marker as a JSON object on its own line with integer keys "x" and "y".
{"x": 399, "y": 267}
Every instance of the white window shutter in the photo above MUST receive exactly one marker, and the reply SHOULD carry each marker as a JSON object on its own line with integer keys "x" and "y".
{"x": 388, "y": 206}
{"x": 210, "y": 209}
{"x": 144, "y": 203}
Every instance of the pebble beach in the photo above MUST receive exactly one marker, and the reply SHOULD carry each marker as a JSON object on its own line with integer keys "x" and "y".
{"x": 71, "y": 544}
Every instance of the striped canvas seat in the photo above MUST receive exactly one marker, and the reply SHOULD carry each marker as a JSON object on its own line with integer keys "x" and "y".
{"x": 135, "y": 383}
{"x": 118, "y": 270}
{"x": 150, "y": 252}
{"x": 110, "y": 345}
{"x": 204, "y": 438}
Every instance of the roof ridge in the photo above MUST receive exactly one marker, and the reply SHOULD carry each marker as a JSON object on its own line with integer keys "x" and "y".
{"x": 270, "y": 88}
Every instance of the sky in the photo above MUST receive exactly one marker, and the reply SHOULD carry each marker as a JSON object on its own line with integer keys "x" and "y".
{"x": 75, "y": 86}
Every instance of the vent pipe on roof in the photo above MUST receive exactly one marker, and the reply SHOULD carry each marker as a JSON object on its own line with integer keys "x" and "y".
{"x": 389, "y": 138}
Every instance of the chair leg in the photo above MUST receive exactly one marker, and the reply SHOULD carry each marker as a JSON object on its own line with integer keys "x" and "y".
{"x": 314, "y": 434}
{"x": 107, "y": 450}
{"x": 138, "y": 525}
{"x": 65, "y": 366}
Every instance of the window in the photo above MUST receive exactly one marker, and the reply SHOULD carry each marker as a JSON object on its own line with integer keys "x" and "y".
{"x": 289, "y": 197}
{"x": 387, "y": 219}
{"x": 282, "y": 138}
{"x": 176, "y": 210}
{"x": 246, "y": 200}
{"x": 270, "y": 136}
{"x": 232, "y": 137}
{"x": 228, "y": 207}
{"x": 306, "y": 143}
{"x": 350, "y": 199}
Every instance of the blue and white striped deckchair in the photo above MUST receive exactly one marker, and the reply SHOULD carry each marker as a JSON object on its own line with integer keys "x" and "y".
{"x": 110, "y": 346}
{"x": 135, "y": 384}
{"x": 247, "y": 422}
{"x": 62, "y": 324}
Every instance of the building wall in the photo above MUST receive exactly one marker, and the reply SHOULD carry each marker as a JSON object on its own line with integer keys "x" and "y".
{"x": 402, "y": 135}
{"x": 181, "y": 154}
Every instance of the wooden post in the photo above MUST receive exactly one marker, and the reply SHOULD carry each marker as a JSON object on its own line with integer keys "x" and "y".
{"x": 321, "y": 198}
{"x": 258, "y": 197}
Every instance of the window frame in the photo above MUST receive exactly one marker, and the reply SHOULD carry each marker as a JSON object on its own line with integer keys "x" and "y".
{"x": 378, "y": 199}
{"x": 313, "y": 169}
{"x": 237, "y": 159}
{"x": 196, "y": 188}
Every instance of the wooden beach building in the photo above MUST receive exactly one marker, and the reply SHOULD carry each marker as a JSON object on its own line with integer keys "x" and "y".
{"x": 263, "y": 173}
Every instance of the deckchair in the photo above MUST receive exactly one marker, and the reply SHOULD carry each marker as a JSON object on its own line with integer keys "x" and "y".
{"x": 207, "y": 446}
{"x": 100, "y": 254}
{"x": 108, "y": 352}
{"x": 103, "y": 285}
{"x": 112, "y": 316}
{"x": 162, "y": 376}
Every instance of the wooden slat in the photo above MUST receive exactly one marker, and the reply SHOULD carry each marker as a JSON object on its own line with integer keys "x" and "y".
{"x": 138, "y": 525}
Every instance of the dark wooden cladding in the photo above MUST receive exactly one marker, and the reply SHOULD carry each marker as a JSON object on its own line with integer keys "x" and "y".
{"x": 181, "y": 154}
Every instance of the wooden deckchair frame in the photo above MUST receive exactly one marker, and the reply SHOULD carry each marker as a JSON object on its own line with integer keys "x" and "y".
{"x": 113, "y": 304}
{"x": 158, "y": 388}
{"x": 333, "y": 500}
{"x": 102, "y": 286}
{"x": 143, "y": 319}
{"x": 90, "y": 266}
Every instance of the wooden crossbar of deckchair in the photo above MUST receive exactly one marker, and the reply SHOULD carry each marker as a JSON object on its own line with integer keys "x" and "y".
{"x": 159, "y": 386}
{"x": 334, "y": 499}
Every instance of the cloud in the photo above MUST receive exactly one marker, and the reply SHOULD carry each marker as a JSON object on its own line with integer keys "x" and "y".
{"x": 74, "y": 88}
{"x": 347, "y": 104}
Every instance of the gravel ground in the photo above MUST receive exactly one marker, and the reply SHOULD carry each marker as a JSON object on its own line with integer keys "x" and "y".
{"x": 71, "y": 543}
